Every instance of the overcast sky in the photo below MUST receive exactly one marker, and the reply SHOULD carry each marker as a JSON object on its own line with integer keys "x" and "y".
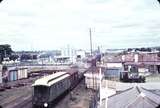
{"x": 53, "y": 24}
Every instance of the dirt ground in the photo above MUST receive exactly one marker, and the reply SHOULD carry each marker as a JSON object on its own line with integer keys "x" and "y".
{"x": 79, "y": 98}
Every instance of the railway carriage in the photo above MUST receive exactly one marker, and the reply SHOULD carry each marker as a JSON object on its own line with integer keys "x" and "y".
{"x": 49, "y": 88}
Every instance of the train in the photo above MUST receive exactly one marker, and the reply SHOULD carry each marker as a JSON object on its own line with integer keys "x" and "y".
{"x": 131, "y": 77}
{"x": 49, "y": 88}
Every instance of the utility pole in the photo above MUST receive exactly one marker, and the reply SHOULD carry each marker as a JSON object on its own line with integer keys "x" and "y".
{"x": 90, "y": 34}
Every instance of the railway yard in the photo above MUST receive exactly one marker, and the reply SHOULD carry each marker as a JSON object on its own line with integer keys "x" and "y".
{"x": 78, "y": 98}
{"x": 19, "y": 95}
{"x": 22, "y": 98}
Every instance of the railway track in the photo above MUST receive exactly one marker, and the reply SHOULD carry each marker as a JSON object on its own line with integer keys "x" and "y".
{"x": 26, "y": 103}
{"x": 21, "y": 97}
{"x": 17, "y": 101}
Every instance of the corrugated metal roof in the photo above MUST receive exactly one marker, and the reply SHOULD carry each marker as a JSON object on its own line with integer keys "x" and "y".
{"x": 51, "y": 79}
{"x": 135, "y": 97}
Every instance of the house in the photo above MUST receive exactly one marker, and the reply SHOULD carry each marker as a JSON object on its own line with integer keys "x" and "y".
{"x": 142, "y": 62}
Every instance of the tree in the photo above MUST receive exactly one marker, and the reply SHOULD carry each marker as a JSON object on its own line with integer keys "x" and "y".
{"x": 13, "y": 57}
{"x": 158, "y": 49}
{"x": 5, "y": 51}
{"x": 25, "y": 57}
{"x": 34, "y": 57}
{"x": 129, "y": 49}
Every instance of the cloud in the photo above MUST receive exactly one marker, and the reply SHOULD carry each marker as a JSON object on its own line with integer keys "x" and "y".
{"x": 52, "y": 24}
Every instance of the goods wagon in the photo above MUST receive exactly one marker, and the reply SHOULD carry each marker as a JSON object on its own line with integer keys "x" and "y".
{"x": 18, "y": 73}
{"x": 22, "y": 73}
{"x": 13, "y": 75}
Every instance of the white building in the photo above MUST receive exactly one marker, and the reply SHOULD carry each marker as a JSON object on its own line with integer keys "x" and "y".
{"x": 80, "y": 54}
{"x": 69, "y": 52}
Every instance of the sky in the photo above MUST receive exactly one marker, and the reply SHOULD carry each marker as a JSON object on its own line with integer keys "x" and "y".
{"x": 54, "y": 24}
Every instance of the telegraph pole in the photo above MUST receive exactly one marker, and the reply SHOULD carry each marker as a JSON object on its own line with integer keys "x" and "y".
{"x": 90, "y": 34}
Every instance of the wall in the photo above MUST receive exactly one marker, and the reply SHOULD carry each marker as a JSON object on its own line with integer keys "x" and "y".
{"x": 112, "y": 72}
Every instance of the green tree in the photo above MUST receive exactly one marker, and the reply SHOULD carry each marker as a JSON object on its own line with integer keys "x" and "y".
{"x": 5, "y": 51}
{"x": 25, "y": 57}
{"x": 13, "y": 57}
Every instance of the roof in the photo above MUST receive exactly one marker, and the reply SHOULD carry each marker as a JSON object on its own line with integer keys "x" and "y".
{"x": 142, "y": 102}
{"x": 16, "y": 69}
{"x": 136, "y": 97}
{"x": 113, "y": 58}
{"x": 51, "y": 79}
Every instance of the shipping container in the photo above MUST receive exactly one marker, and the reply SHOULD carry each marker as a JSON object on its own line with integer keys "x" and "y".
{"x": 22, "y": 73}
